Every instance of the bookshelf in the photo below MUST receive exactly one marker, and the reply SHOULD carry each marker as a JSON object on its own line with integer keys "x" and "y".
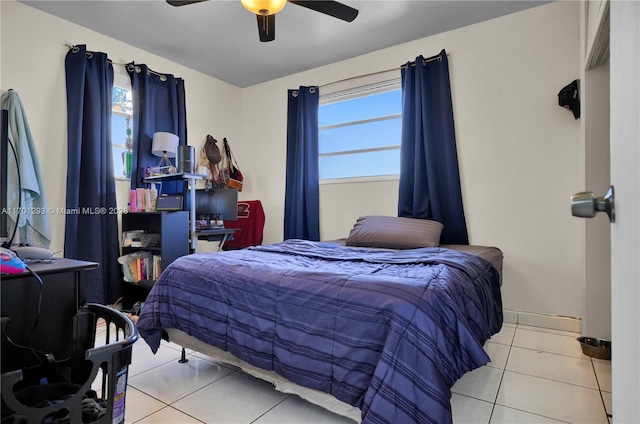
{"x": 172, "y": 230}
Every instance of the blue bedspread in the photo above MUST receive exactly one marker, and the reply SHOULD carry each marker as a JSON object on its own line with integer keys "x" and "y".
{"x": 386, "y": 331}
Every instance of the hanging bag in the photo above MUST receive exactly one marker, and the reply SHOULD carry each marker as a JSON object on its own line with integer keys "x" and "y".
{"x": 235, "y": 176}
{"x": 214, "y": 156}
{"x": 212, "y": 151}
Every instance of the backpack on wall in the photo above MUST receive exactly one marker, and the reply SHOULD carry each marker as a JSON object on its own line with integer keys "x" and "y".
{"x": 235, "y": 177}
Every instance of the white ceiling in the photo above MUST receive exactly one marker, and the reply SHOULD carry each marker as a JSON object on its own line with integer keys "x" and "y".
{"x": 220, "y": 37}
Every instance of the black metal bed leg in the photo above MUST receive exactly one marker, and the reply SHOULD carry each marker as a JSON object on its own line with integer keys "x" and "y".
{"x": 183, "y": 359}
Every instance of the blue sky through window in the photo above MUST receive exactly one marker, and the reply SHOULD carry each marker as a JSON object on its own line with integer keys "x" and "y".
{"x": 349, "y": 145}
{"x": 361, "y": 108}
{"x": 118, "y": 137}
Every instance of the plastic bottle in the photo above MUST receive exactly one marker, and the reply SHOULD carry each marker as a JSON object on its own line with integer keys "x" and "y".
{"x": 133, "y": 201}
{"x": 154, "y": 197}
{"x": 147, "y": 200}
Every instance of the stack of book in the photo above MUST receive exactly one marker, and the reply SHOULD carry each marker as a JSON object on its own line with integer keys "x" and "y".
{"x": 140, "y": 266}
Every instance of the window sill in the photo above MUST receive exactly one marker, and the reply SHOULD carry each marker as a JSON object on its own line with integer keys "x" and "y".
{"x": 355, "y": 180}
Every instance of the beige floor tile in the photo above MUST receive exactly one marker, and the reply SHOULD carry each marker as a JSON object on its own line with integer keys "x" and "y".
{"x": 503, "y": 415}
{"x": 548, "y": 342}
{"x": 603, "y": 374}
{"x": 498, "y": 354}
{"x": 138, "y": 405}
{"x": 563, "y": 368}
{"x": 481, "y": 383}
{"x": 237, "y": 398}
{"x": 608, "y": 402}
{"x": 549, "y": 330}
{"x": 172, "y": 381}
{"x": 294, "y": 410}
{"x": 553, "y": 399}
{"x": 467, "y": 410}
{"x": 168, "y": 415}
{"x": 143, "y": 359}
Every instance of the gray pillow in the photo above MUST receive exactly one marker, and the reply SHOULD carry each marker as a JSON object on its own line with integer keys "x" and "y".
{"x": 394, "y": 232}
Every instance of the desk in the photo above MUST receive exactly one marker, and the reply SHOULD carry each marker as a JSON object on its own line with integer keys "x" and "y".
{"x": 62, "y": 296}
{"x": 191, "y": 182}
{"x": 217, "y": 234}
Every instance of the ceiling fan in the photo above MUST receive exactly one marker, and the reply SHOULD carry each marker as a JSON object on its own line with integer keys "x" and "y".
{"x": 266, "y": 10}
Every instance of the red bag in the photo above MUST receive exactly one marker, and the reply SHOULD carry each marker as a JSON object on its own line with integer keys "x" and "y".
{"x": 235, "y": 176}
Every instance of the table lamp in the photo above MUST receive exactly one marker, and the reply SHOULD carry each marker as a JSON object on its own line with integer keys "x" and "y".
{"x": 164, "y": 146}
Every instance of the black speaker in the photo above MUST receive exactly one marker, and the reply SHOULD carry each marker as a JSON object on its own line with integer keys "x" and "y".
{"x": 169, "y": 203}
{"x": 185, "y": 159}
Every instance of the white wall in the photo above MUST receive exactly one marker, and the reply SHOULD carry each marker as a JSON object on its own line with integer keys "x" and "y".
{"x": 518, "y": 150}
{"x": 33, "y": 55}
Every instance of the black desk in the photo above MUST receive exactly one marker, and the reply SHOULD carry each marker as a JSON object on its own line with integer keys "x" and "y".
{"x": 217, "y": 234}
{"x": 62, "y": 296}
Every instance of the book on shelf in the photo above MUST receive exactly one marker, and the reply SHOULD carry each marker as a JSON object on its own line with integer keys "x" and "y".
{"x": 140, "y": 265}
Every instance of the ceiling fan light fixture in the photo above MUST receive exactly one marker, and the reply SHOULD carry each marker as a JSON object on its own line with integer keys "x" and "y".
{"x": 264, "y": 7}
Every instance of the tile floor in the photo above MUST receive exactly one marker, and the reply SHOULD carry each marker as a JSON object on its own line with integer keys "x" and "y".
{"x": 536, "y": 375}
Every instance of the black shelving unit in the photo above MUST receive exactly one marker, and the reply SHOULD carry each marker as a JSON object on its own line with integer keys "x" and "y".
{"x": 173, "y": 228}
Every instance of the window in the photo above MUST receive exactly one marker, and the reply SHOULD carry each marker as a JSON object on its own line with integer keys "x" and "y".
{"x": 121, "y": 122}
{"x": 359, "y": 132}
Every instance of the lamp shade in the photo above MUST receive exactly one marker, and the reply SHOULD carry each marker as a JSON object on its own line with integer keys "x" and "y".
{"x": 164, "y": 143}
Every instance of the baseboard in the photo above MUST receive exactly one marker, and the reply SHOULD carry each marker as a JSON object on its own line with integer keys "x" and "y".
{"x": 554, "y": 322}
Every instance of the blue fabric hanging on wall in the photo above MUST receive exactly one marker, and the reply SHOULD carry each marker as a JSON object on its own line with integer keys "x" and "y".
{"x": 158, "y": 106}
{"x": 429, "y": 174}
{"x": 29, "y": 227}
{"x": 91, "y": 234}
{"x": 302, "y": 193}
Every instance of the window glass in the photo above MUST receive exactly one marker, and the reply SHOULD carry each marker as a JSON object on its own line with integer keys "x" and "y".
{"x": 121, "y": 135}
{"x": 360, "y": 108}
{"x": 355, "y": 165}
{"x": 359, "y": 136}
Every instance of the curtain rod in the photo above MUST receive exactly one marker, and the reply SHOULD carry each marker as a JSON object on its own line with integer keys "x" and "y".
{"x": 126, "y": 65}
{"x": 424, "y": 61}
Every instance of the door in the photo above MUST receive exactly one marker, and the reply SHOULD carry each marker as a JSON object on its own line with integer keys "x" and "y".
{"x": 625, "y": 232}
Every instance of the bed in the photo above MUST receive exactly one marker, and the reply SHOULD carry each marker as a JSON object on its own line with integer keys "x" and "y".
{"x": 377, "y": 327}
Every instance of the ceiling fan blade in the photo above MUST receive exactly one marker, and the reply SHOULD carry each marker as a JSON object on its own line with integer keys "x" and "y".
{"x": 267, "y": 27}
{"x": 331, "y": 8}
{"x": 183, "y": 2}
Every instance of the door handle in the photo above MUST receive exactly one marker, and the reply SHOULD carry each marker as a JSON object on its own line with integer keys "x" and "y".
{"x": 586, "y": 205}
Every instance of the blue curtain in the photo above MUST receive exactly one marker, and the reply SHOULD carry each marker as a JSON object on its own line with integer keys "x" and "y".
{"x": 429, "y": 175}
{"x": 158, "y": 106}
{"x": 91, "y": 233}
{"x": 302, "y": 198}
